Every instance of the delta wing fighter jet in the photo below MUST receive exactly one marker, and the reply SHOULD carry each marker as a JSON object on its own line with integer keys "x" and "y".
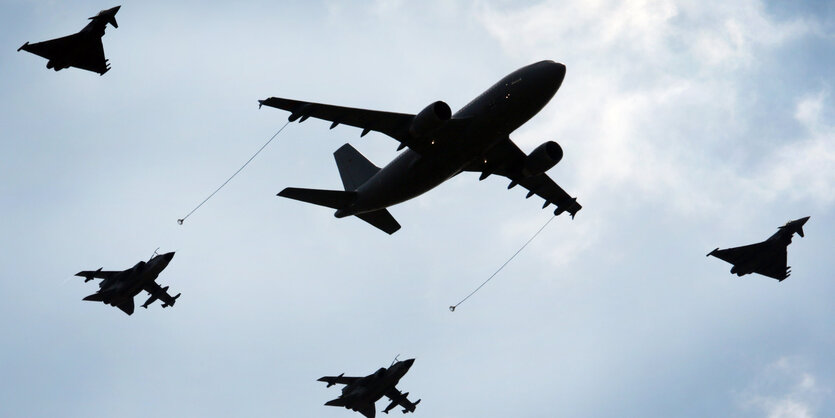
{"x": 360, "y": 393}
{"x": 768, "y": 257}
{"x": 440, "y": 146}
{"x": 81, "y": 50}
{"x": 119, "y": 287}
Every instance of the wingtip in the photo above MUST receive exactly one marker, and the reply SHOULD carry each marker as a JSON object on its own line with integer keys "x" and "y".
{"x": 23, "y": 46}
{"x": 712, "y": 252}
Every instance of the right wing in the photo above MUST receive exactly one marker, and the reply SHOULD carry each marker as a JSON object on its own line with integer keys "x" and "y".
{"x": 395, "y": 125}
{"x": 73, "y": 50}
{"x": 401, "y": 399}
{"x": 506, "y": 159}
{"x": 161, "y": 293}
{"x": 337, "y": 380}
{"x": 776, "y": 268}
{"x": 97, "y": 274}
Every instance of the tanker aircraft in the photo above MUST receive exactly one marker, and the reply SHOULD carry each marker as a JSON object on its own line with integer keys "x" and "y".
{"x": 360, "y": 393}
{"x": 119, "y": 287}
{"x": 82, "y": 50}
{"x": 440, "y": 146}
{"x": 768, "y": 257}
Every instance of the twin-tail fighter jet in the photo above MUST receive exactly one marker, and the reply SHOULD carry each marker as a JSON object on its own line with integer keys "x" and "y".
{"x": 81, "y": 50}
{"x": 768, "y": 257}
{"x": 119, "y": 287}
{"x": 440, "y": 146}
{"x": 360, "y": 393}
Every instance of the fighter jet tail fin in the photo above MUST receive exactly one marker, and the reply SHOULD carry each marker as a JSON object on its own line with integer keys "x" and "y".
{"x": 126, "y": 306}
{"x": 382, "y": 220}
{"x": 354, "y": 168}
{"x": 330, "y": 198}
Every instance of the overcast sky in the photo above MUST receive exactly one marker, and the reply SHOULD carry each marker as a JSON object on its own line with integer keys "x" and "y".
{"x": 686, "y": 126}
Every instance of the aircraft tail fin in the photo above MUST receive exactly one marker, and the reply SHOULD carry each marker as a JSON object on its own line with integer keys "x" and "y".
{"x": 354, "y": 168}
{"x": 382, "y": 220}
{"x": 334, "y": 199}
{"x": 126, "y": 306}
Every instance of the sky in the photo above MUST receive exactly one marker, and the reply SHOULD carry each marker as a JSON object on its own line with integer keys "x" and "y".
{"x": 686, "y": 126}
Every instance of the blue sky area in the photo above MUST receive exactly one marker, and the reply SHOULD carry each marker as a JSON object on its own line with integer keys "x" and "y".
{"x": 686, "y": 126}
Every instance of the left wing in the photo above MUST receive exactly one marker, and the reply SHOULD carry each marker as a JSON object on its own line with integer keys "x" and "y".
{"x": 401, "y": 399}
{"x": 506, "y": 159}
{"x": 759, "y": 258}
{"x": 395, "y": 125}
{"x": 740, "y": 255}
{"x": 340, "y": 380}
{"x": 97, "y": 274}
{"x": 74, "y": 50}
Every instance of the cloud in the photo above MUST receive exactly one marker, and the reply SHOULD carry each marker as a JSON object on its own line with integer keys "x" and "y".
{"x": 784, "y": 389}
{"x": 805, "y": 168}
{"x": 662, "y": 106}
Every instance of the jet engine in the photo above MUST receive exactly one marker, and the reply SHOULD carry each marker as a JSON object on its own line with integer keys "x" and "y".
{"x": 55, "y": 65}
{"x": 430, "y": 119}
{"x": 543, "y": 158}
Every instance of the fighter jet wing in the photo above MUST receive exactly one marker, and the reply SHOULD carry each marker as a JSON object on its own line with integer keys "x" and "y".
{"x": 760, "y": 256}
{"x": 401, "y": 399}
{"x": 395, "y": 125}
{"x": 506, "y": 159}
{"x": 776, "y": 267}
{"x": 738, "y": 255}
{"x": 161, "y": 293}
{"x": 74, "y": 50}
{"x": 95, "y": 274}
{"x": 337, "y": 380}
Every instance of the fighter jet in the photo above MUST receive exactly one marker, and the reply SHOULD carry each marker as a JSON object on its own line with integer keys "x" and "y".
{"x": 440, "y": 146}
{"x": 81, "y": 50}
{"x": 360, "y": 393}
{"x": 119, "y": 287}
{"x": 768, "y": 257}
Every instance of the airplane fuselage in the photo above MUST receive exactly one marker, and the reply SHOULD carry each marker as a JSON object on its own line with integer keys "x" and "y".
{"x": 130, "y": 282}
{"x": 372, "y": 388}
{"x": 493, "y": 115}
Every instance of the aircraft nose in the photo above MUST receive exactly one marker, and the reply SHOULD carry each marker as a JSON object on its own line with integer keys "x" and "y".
{"x": 552, "y": 72}
{"x": 408, "y": 362}
{"x": 168, "y": 256}
{"x": 803, "y": 220}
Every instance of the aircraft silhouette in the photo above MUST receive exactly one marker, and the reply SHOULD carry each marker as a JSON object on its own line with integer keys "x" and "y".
{"x": 119, "y": 287}
{"x": 440, "y": 146}
{"x": 768, "y": 257}
{"x": 360, "y": 393}
{"x": 82, "y": 50}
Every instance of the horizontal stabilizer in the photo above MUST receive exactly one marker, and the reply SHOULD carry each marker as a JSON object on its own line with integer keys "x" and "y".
{"x": 382, "y": 220}
{"x": 336, "y": 402}
{"x": 95, "y": 297}
{"x": 334, "y": 199}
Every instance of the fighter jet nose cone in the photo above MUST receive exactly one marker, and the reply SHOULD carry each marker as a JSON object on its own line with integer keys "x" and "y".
{"x": 169, "y": 256}
{"x": 409, "y": 362}
{"x": 803, "y": 220}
